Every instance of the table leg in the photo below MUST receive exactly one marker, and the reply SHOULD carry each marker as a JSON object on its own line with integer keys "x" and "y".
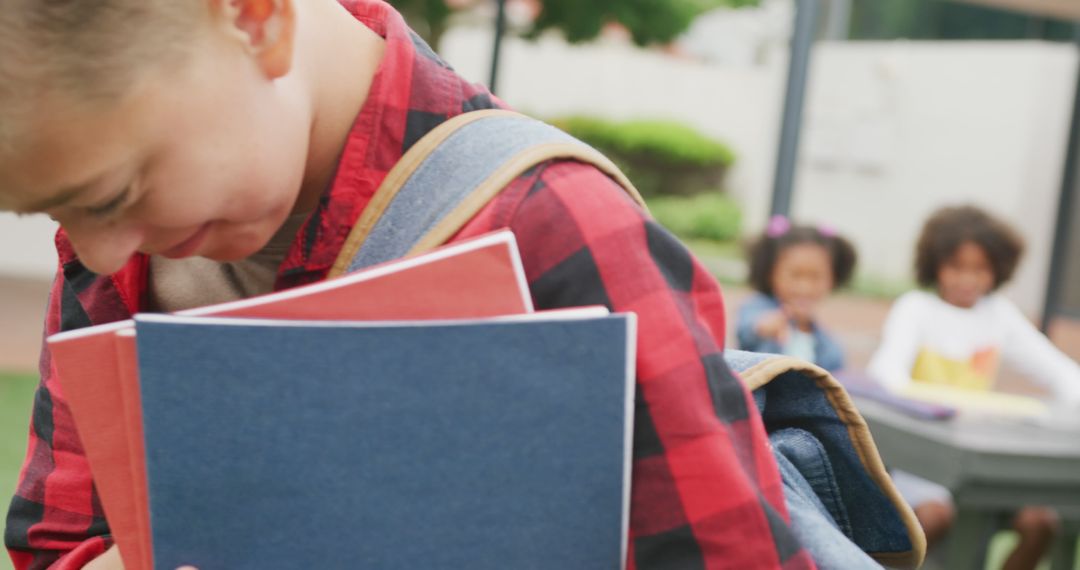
{"x": 1063, "y": 553}
{"x": 968, "y": 540}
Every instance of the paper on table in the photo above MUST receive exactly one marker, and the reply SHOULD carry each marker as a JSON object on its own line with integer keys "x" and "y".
{"x": 976, "y": 401}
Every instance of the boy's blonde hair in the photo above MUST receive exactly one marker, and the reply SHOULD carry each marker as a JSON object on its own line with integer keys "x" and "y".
{"x": 84, "y": 51}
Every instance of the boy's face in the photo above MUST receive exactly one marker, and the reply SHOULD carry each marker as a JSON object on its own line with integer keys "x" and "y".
{"x": 207, "y": 159}
{"x": 966, "y": 276}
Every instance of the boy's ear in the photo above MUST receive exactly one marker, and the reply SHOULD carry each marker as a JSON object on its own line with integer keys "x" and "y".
{"x": 265, "y": 27}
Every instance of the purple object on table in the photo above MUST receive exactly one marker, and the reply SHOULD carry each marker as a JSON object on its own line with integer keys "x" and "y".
{"x": 862, "y": 386}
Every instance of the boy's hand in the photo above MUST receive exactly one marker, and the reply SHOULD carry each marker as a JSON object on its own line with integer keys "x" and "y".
{"x": 109, "y": 560}
{"x": 774, "y": 326}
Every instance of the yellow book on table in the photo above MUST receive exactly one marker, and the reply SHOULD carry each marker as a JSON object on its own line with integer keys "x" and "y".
{"x": 976, "y": 401}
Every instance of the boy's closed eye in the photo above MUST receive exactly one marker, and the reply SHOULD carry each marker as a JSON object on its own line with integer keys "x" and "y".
{"x": 110, "y": 205}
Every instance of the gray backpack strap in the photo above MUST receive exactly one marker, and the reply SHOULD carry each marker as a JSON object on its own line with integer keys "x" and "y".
{"x": 449, "y": 175}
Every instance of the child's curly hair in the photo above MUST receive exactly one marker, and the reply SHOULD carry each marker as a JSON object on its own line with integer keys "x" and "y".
{"x": 948, "y": 228}
{"x": 780, "y": 235}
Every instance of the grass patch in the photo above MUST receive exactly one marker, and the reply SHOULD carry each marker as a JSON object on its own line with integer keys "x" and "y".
{"x": 1002, "y": 544}
{"x": 16, "y": 400}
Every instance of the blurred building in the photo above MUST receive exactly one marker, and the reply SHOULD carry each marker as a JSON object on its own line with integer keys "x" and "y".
{"x": 893, "y": 127}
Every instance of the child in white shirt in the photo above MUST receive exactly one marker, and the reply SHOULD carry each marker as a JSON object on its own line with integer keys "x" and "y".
{"x": 958, "y": 335}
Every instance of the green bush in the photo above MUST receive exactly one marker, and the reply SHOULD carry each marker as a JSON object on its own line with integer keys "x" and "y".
{"x": 660, "y": 157}
{"x": 661, "y": 141}
{"x": 709, "y": 216}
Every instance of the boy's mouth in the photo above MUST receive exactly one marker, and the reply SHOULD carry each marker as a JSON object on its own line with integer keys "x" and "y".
{"x": 187, "y": 247}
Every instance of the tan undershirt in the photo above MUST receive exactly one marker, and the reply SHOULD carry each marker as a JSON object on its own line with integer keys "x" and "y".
{"x": 178, "y": 284}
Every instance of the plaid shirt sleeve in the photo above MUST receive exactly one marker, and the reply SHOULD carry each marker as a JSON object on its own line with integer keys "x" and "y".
{"x": 706, "y": 491}
{"x": 55, "y": 519}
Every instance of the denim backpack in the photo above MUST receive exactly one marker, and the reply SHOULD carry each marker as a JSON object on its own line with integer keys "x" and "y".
{"x": 833, "y": 475}
{"x": 841, "y": 500}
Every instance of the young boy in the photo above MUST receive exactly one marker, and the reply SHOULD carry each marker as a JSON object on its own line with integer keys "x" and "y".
{"x": 206, "y": 150}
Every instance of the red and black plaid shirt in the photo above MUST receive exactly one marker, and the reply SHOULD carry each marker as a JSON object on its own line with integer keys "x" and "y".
{"x": 706, "y": 493}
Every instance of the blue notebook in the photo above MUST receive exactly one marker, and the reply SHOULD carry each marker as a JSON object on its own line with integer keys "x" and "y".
{"x": 487, "y": 444}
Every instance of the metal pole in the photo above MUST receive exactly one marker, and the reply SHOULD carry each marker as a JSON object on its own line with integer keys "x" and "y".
{"x": 806, "y": 17}
{"x": 1069, "y": 183}
{"x": 500, "y": 31}
{"x": 838, "y": 19}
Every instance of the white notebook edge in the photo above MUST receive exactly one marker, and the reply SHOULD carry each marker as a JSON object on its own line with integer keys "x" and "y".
{"x": 571, "y": 314}
{"x": 628, "y": 436}
{"x": 62, "y": 337}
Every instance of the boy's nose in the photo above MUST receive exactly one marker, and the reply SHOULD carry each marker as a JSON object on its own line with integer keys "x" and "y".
{"x": 105, "y": 250}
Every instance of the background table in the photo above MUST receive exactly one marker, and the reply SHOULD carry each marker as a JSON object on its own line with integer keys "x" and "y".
{"x": 992, "y": 466}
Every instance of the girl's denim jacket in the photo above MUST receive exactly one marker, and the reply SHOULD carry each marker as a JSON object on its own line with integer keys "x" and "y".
{"x": 827, "y": 352}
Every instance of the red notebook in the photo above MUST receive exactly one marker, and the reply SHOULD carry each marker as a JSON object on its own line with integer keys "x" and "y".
{"x": 97, "y": 369}
{"x": 87, "y": 368}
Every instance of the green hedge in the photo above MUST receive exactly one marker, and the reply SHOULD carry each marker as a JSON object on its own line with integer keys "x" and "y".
{"x": 709, "y": 216}
{"x": 663, "y": 141}
{"x": 660, "y": 157}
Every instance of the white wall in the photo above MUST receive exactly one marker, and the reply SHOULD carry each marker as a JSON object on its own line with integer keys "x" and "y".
{"x": 26, "y": 246}
{"x": 895, "y": 130}
{"x": 892, "y": 129}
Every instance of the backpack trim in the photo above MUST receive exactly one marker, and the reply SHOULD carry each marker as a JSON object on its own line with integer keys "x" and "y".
{"x": 769, "y": 369}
